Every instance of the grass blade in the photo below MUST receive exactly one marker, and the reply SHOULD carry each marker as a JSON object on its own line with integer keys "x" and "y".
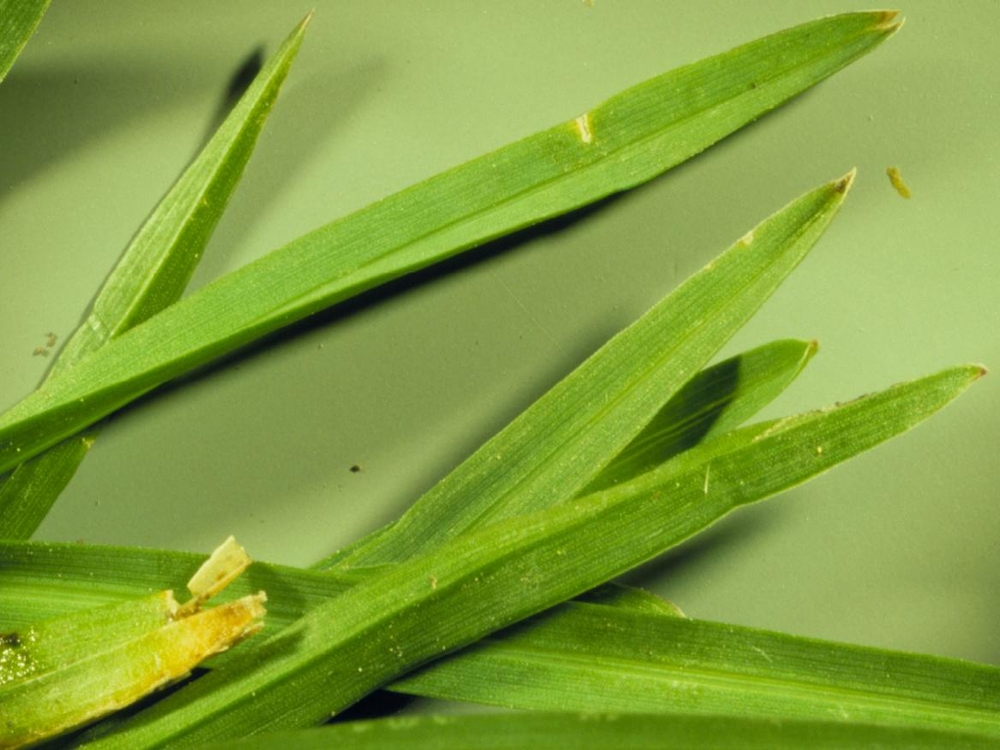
{"x": 550, "y": 452}
{"x": 151, "y": 275}
{"x": 483, "y": 581}
{"x": 585, "y": 657}
{"x": 627, "y": 140}
{"x": 555, "y": 731}
{"x": 716, "y": 400}
{"x": 18, "y": 21}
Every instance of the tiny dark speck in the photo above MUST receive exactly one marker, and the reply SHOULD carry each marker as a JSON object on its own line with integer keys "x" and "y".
{"x": 12, "y": 640}
{"x": 355, "y": 468}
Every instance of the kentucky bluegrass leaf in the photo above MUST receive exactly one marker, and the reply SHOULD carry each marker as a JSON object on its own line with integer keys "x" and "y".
{"x": 151, "y": 275}
{"x": 629, "y": 139}
{"x": 557, "y": 731}
{"x": 558, "y": 446}
{"x": 585, "y": 657}
{"x": 18, "y": 21}
{"x": 484, "y": 580}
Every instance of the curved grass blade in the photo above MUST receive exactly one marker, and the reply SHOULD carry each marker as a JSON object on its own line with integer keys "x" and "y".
{"x": 582, "y": 657}
{"x": 18, "y": 21}
{"x": 628, "y": 140}
{"x": 556, "y": 447}
{"x": 558, "y": 731}
{"x": 433, "y": 604}
{"x": 151, "y": 275}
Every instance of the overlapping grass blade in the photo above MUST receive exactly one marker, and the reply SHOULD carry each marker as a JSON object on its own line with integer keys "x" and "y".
{"x": 151, "y": 275}
{"x": 629, "y": 139}
{"x": 558, "y": 731}
{"x": 717, "y": 399}
{"x": 483, "y": 581}
{"x": 584, "y": 657}
{"x": 555, "y": 448}
{"x": 18, "y": 21}
{"x": 615, "y": 653}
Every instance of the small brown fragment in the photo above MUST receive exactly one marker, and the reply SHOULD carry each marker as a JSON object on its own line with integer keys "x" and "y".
{"x": 40, "y": 351}
{"x": 897, "y": 182}
{"x": 50, "y": 340}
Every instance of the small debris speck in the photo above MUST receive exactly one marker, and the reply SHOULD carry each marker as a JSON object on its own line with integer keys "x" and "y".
{"x": 897, "y": 182}
{"x": 356, "y": 468}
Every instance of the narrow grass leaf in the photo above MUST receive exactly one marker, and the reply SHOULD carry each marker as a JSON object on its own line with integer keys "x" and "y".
{"x": 558, "y": 731}
{"x": 629, "y": 139}
{"x": 716, "y": 400}
{"x": 550, "y": 452}
{"x": 151, "y": 275}
{"x": 18, "y": 21}
{"x": 584, "y": 657}
{"x": 483, "y": 581}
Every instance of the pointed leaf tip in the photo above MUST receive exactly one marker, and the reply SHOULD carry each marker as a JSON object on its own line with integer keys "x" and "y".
{"x": 890, "y": 20}
{"x": 844, "y": 183}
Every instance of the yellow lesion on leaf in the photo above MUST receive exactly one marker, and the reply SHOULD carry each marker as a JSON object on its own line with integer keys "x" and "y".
{"x": 584, "y": 128}
{"x": 89, "y": 664}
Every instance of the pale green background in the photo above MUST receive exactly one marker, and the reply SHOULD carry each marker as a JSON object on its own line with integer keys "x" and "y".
{"x": 900, "y": 548}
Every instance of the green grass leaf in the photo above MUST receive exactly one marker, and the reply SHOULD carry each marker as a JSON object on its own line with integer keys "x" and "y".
{"x": 482, "y": 581}
{"x": 627, "y": 140}
{"x": 717, "y": 399}
{"x": 18, "y": 21}
{"x": 585, "y": 657}
{"x": 554, "y": 449}
{"x": 151, "y": 275}
{"x": 558, "y": 731}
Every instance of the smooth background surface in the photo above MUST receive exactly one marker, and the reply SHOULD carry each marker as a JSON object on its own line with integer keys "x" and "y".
{"x": 900, "y": 548}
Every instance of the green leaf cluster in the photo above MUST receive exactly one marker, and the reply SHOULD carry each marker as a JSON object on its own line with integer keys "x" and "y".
{"x": 494, "y": 587}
